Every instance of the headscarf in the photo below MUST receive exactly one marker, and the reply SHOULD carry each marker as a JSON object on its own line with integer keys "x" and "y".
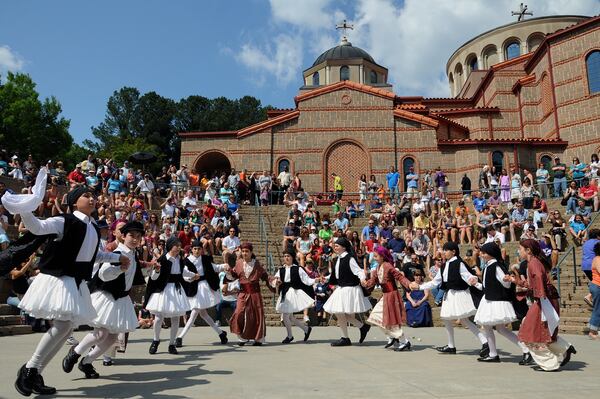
{"x": 74, "y": 195}
{"x": 343, "y": 242}
{"x": 492, "y": 250}
{"x": 385, "y": 253}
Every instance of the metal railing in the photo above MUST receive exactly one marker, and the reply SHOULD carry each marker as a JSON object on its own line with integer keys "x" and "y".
{"x": 264, "y": 237}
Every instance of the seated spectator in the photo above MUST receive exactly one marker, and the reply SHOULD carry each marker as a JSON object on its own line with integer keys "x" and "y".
{"x": 529, "y": 223}
{"x": 396, "y": 245}
{"x": 577, "y": 229}
{"x": 582, "y": 210}
{"x": 146, "y": 188}
{"x": 325, "y": 254}
{"x": 231, "y": 243}
{"x": 371, "y": 227}
{"x": 494, "y": 200}
{"x": 145, "y": 319}
{"x": 385, "y": 232}
{"x": 493, "y": 235}
{"x": 422, "y": 221}
{"x": 325, "y": 233}
{"x": 570, "y": 197}
{"x": 422, "y": 246}
{"x": 418, "y": 310}
{"x": 439, "y": 239}
{"x": 351, "y": 210}
{"x": 404, "y": 212}
{"x": 371, "y": 243}
{"x": 589, "y": 193}
{"x": 438, "y": 292}
{"x": 409, "y": 269}
{"x": 540, "y": 210}
{"x": 479, "y": 202}
{"x": 529, "y": 233}
{"x": 518, "y": 219}
{"x": 290, "y": 233}
{"x": 341, "y": 223}
{"x": 465, "y": 227}
{"x": 558, "y": 229}
{"x": 483, "y": 220}
{"x": 303, "y": 246}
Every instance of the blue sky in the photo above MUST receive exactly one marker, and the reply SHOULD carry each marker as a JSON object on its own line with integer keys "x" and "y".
{"x": 81, "y": 51}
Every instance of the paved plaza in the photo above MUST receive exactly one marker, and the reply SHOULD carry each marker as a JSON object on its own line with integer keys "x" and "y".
{"x": 204, "y": 369}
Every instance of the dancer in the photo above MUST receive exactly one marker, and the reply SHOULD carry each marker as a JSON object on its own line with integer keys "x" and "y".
{"x": 166, "y": 298}
{"x": 496, "y": 309}
{"x": 202, "y": 290}
{"x": 292, "y": 281}
{"x": 389, "y": 313}
{"x": 455, "y": 279}
{"x": 65, "y": 266}
{"x": 548, "y": 350}
{"x": 248, "y": 320}
{"x": 347, "y": 298}
{"x": 114, "y": 308}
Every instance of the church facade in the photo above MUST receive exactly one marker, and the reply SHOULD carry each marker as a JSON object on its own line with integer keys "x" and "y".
{"x": 519, "y": 105}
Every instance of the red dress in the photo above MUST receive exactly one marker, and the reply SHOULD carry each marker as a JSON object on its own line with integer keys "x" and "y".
{"x": 533, "y": 329}
{"x": 248, "y": 320}
{"x": 394, "y": 313}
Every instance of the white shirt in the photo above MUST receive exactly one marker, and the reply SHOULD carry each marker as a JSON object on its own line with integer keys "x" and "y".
{"x": 168, "y": 210}
{"x": 356, "y": 270}
{"x": 439, "y": 278}
{"x": 499, "y": 274}
{"x": 231, "y": 243}
{"x": 174, "y": 269}
{"x": 493, "y": 238}
{"x": 188, "y": 203}
{"x": 287, "y": 276}
{"x": 56, "y": 225}
{"x": 200, "y": 267}
{"x": 145, "y": 186}
{"x": 109, "y": 272}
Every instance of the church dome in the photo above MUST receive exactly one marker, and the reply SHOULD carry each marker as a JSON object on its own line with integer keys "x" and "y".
{"x": 344, "y": 51}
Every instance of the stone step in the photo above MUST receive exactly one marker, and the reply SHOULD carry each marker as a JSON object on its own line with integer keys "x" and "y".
{"x": 10, "y": 320}
{"x": 8, "y": 310}
{"x": 570, "y": 329}
{"x": 15, "y": 330}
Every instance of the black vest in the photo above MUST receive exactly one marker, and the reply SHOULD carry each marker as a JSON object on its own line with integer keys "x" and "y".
{"x": 492, "y": 288}
{"x": 294, "y": 283}
{"x": 346, "y": 277}
{"x": 455, "y": 281}
{"x": 116, "y": 287}
{"x": 59, "y": 257}
{"x": 164, "y": 278}
{"x": 211, "y": 277}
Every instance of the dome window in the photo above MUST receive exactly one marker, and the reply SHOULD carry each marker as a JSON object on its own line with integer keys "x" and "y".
{"x": 344, "y": 73}
{"x": 315, "y": 80}
{"x": 513, "y": 50}
{"x": 373, "y": 77}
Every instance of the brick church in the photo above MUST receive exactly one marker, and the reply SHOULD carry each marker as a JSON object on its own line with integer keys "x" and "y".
{"x": 522, "y": 93}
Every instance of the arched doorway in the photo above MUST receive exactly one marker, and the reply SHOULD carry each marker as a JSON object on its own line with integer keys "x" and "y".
{"x": 407, "y": 163}
{"x": 349, "y": 161}
{"x": 212, "y": 163}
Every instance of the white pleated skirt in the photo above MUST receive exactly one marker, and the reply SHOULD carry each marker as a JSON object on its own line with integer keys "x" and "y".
{"x": 491, "y": 313}
{"x": 457, "y": 304}
{"x": 117, "y": 316}
{"x": 205, "y": 298}
{"x": 58, "y": 298}
{"x": 169, "y": 303}
{"x": 294, "y": 301}
{"x": 347, "y": 300}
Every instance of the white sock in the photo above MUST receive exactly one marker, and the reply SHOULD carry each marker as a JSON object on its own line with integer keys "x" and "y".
{"x": 512, "y": 337}
{"x": 491, "y": 340}
{"x": 174, "y": 328}
{"x": 288, "y": 324}
{"x": 204, "y": 314}
{"x": 342, "y": 324}
{"x": 189, "y": 323}
{"x": 473, "y": 328}
{"x": 450, "y": 333}
{"x": 50, "y": 344}
{"x": 158, "y": 319}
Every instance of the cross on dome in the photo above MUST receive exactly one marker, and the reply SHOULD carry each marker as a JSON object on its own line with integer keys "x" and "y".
{"x": 522, "y": 12}
{"x": 344, "y": 26}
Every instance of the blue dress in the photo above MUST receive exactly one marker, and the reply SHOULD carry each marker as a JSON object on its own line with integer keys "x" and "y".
{"x": 421, "y": 316}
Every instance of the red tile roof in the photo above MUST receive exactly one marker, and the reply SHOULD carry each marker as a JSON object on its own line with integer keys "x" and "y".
{"x": 467, "y": 110}
{"x": 223, "y": 133}
{"x": 268, "y": 123}
{"x": 416, "y": 117}
{"x": 346, "y": 84}
{"x": 412, "y": 107}
{"x": 531, "y": 141}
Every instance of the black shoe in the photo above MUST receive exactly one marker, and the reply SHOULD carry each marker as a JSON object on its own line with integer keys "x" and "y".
{"x": 88, "y": 370}
{"x": 153, "y": 347}
{"x": 287, "y": 340}
{"x": 391, "y": 343}
{"x": 538, "y": 368}
{"x": 526, "y": 360}
{"x": 173, "y": 350}
{"x": 485, "y": 351}
{"x": 70, "y": 360}
{"x": 242, "y": 343}
{"x": 25, "y": 380}
{"x": 404, "y": 347}
{"x": 107, "y": 363}
{"x": 40, "y": 387}
{"x": 342, "y": 342}
{"x": 257, "y": 343}
{"x": 363, "y": 332}
{"x": 446, "y": 349}
{"x": 307, "y": 334}
{"x": 179, "y": 342}
{"x": 223, "y": 338}
{"x": 567, "y": 356}
{"x": 489, "y": 359}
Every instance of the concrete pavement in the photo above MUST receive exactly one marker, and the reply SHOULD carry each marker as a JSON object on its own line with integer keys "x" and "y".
{"x": 302, "y": 370}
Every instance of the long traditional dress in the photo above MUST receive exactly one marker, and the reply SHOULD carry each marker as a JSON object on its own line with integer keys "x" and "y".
{"x": 389, "y": 313}
{"x": 248, "y": 320}
{"x": 546, "y": 349}
{"x": 504, "y": 188}
{"x": 420, "y": 316}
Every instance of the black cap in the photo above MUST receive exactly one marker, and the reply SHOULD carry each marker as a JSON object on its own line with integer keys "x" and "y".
{"x": 131, "y": 227}
{"x": 196, "y": 244}
{"x": 171, "y": 242}
{"x": 343, "y": 241}
{"x": 492, "y": 250}
{"x": 74, "y": 195}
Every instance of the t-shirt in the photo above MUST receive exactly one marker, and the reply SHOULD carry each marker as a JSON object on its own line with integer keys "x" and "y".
{"x": 366, "y": 230}
{"x": 285, "y": 178}
{"x": 392, "y": 179}
{"x": 325, "y": 234}
{"x": 91, "y": 181}
{"x": 541, "y": 176}
{"x": 341, "y": 223}
{"x": 578, "y": 170}
{"x": 577, "y": 226}
{"x": 588, "y": 254}
{"x": 588, "y": 191}
{"x": 145, "y": 186}
{"x": 559, "y": 174}
{"x": 397, "y": 245}
{"x": 420, "y": 245}
{"x": 410, "y": 268}
{"x": 479, "y": 203}
{"x": 231, "y": 243}
{"x": 337, "y": 184}
{"x": 412, "y": 180}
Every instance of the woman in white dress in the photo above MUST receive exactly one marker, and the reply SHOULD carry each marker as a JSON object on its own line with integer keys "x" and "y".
{"x": 293, "y": 282}
{"x": 347, "y": 297}
{"x": 496, "y": 309}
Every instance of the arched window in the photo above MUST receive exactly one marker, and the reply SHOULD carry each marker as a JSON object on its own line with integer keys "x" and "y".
{"x": 282, "y": 165}
{"x": 498, "y": 161}
{"x": 344, "y": 73}
{"x": 458, "y": 77}
{"x": 489, "y": 56}
{"x": 592, "y": 63}
{"x": 513, "y": 50}
{"x": 546, "y": 160}
{"x": 473, "y": 64}
{"x": 407, "y": 163}
{"x": 534, "y": 41}
{"x": 451, "y": 81}
{"x": 316, "y": 79}
{"x": 373, "y": 77}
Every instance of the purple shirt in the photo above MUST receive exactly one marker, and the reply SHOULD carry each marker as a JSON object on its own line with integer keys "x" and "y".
{"x": 440, "y": 179}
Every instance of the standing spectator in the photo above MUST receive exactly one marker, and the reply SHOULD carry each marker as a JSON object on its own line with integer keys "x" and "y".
{"x": 484, "y": 183}
{"x": 560, "y": 178}
{"x": 290, "y": 233}
{"x": 542, "y": 179}
{"x": 362, "y": 188}
{"x": 540, "y": 210}
{"x": 515, "y": 184}
{"x": 594, "y": 168}
{"x": 587, "y": 258}
{"x": 527, "y": 193}
{"x": 234, "y": 180}
{"x": 392, "y": 178}
{"x": 577, "y": 171}
{"x": 595, "y": 291}
{"x": 465, "y": 186}
{"x": 337, "y": 186}
{"x": 412, "y": 183}
{"x": 285, "y": 180}
{"x": 264, "y": 184}
{"x": 504, "y": 187}
{"x": 146, "y": 188}
{"x": 441, "y": 182}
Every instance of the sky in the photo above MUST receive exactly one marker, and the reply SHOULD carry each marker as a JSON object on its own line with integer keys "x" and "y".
{"x": 82, "y": 51}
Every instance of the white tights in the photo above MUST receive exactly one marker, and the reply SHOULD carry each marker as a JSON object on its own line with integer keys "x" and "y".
{"x": 288, "y": 320}
{"x": 204, "y": 315}
{"x": 506, "y": 333}
{"x": 343, "y": 320}
{"x": 100, "y": 339}
{"x": 467, "y": 323}
{"x": 158, "y": 319}
{"x": 50, "y": 344}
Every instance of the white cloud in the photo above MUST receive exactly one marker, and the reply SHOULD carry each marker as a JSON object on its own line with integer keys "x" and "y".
{"x": 303, "y": 14}
{"x": 10, "y": 61}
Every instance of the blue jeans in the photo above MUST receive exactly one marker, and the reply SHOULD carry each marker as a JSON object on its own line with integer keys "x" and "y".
{"x": 394, "y": 192}
{"x": 438, "y": 294}
{"x": 595, "y": 318}
{"x": 571, "y": 204}
{"x": 560, "y": 186}
{"x": 221, "y": 305}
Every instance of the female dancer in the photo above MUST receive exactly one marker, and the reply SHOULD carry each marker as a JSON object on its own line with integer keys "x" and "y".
{"x": 116, "y": 313}
{"x": 347, "y": 298}
{"x": 455, "y": 278}
{"x": 292, "y": 281}
{"x": 66, "y": 263}
{"x": 547, "y": 349}
{"x": 202, "y": 290}
{"x": 495, "y": 308}
{"x": 166, "y": 298}
{"x": 389, "y": 313}
{"x": 248, "y": 320}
